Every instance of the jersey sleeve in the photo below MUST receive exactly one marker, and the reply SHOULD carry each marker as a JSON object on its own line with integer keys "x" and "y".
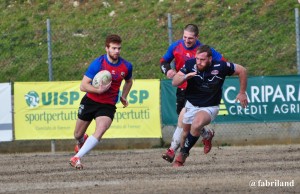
{"x": 129, "y": 75}
{"x": 229, "y": 67}
{"x": 187, "y": 67}
{"x": 216, "y": 55}
{"x": 93, "y": 69}
{"x": 169, "y": 56}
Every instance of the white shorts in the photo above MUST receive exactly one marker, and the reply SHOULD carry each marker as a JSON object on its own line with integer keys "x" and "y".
{"x": 191, "y": 111}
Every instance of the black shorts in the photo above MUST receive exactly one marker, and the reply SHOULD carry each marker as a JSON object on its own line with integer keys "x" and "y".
{"x": 89, "y": 109}
{"x": 180, "y": 100}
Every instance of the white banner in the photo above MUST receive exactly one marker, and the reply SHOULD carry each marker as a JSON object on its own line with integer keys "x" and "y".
{"x": 6, "y": 129}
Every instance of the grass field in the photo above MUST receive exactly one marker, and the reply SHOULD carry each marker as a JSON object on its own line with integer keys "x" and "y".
{"x": 257, "y": 34}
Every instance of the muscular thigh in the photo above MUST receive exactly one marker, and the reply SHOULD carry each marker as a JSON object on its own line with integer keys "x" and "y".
{"x": 201, "y": 119}
{"x": 102, "y": 124}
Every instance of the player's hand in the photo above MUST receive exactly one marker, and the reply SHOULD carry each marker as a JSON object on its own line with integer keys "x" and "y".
{"x": 124, "y": 101}
{"x": 103, "y": 88}
{"x": 242, "y": 97}
{"x": 171, "y": 73}
{"x": 190, "y": 75}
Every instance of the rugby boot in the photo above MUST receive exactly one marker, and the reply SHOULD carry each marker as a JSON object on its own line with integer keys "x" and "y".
{"x": 169, "y": 155}
{"x": 207, "y": 141}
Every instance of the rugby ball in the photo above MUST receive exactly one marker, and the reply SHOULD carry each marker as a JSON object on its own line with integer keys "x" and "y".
{"x": 103, "y": 76}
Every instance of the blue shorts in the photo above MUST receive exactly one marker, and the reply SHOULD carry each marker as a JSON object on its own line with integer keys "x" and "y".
{"x": 89, "y": 109}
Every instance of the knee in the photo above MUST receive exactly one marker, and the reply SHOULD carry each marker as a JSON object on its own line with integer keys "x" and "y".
{"x": 78, "y": 135}
{"x": 196, "y": 131}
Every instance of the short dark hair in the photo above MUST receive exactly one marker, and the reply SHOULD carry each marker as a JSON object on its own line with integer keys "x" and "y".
{"x": 192, "y": 28}
{"x": 113, "y": 38}
{"x": 203, "y": 49}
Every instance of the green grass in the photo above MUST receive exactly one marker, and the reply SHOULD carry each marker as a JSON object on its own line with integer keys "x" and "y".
{"x": 257, "y": 34}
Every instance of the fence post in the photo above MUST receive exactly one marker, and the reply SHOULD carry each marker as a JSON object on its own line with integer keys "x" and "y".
{"x": 297, "y": 38}
{"x": 50, "y": 68}
{"x": 49, "y": 50}
{"x": 170, "y": 35}
{"x": 170, "y": 28}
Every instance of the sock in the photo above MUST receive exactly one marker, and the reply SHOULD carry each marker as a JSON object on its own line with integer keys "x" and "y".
{"x": 190, "y": 141}
{"x": 176, "y": 139}
{"x": 89, "y": 144}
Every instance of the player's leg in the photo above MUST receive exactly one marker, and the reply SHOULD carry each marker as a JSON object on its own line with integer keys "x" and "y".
{"x": 181, "y": 157}
{"x": 207, "y": 133}
{"x": 81, "y": 136}
{"x": 187, "y": 120}
{"x": 104, "y": 115}
{"x": 177, "y": 134}
{"x": 102, "y": 124}
{"x": 190, "y": 137}
{"x": 85, "y": 115}
{"x": 79, "y": 133}
{"x": 169, "y": 155}
{"x": 180, "y": 103}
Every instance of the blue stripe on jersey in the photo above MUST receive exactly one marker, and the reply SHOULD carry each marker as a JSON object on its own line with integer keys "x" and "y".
{"x": 129, "y": 67}
{"x": 94, "y": 67}
{"x": 216, "y": 55}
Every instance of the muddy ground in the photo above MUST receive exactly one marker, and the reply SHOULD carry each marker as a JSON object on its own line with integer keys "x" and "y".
{"x": 232, "y": 169}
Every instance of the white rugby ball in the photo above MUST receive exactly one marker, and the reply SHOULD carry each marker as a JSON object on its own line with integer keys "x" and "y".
{"x": 104, "y": 76}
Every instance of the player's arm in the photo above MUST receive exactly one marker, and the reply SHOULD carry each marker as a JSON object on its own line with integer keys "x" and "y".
{"x": 180, "y": 77}
{"x": 165, "y": 66}
{"x": 242, "y": 73}
{"x": 166, "y": 69}
{"x": 86, "y": 86}
{"x": 165, "y": 62}
{"x": 125, "y": 92}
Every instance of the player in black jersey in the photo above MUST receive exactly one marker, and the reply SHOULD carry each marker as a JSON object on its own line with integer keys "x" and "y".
{"x": 205, "y": 78}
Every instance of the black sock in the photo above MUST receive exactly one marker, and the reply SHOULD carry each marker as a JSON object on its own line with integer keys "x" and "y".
{"x": 189, "y": 143}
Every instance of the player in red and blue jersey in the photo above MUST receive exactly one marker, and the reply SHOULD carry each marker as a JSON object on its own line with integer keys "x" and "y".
{"x": 119, "y": 71}
{"x": 181, "y": 51}
{"x": 100, "y": 103}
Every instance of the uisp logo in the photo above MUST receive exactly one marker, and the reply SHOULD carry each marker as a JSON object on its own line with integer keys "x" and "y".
{"x": 32, "y": 99}
{"x": 51, "y": 98}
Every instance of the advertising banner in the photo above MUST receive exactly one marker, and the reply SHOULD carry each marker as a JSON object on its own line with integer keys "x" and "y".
{"x": 6, "y": 126}
{"x": 48, "y": 110}
{"x": 271, "y": 99}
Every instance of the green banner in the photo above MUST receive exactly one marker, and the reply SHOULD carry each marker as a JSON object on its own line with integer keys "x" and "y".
{"x": 168, "y": 102}
{"x": 271, "y": 99}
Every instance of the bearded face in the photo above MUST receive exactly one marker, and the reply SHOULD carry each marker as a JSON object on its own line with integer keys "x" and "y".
{"x": 113, "y": 51}
{"x": 203, "y": 61}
